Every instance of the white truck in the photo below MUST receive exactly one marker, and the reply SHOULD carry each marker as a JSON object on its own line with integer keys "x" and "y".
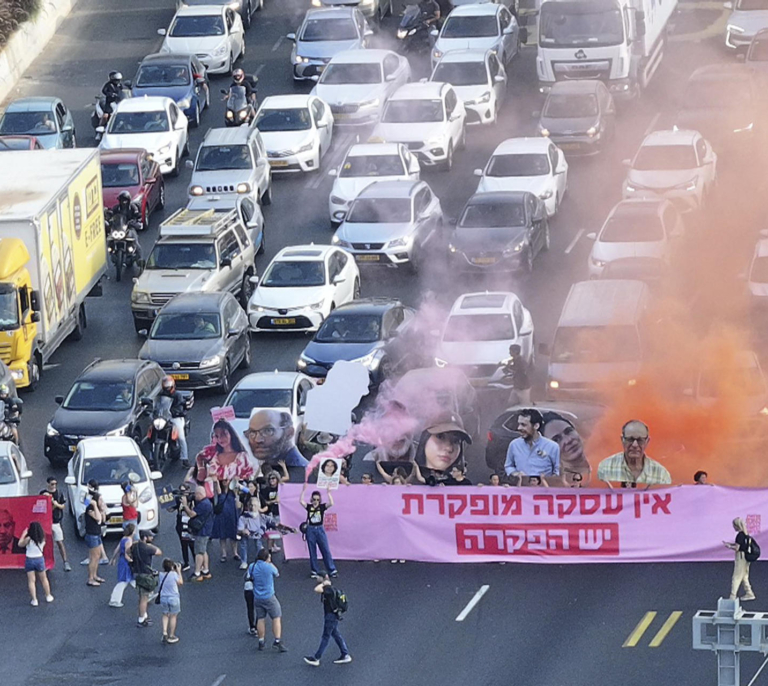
{"x": 620, "y": 42}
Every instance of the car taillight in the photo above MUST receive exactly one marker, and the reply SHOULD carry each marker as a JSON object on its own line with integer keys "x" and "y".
{"x": 490, "y": 436}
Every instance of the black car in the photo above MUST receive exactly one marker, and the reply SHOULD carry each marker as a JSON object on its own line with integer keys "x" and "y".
{"x": 361, "y": 331}
{"x": 499, "y": 232}
{"x": 199, "y": 338}
{"x": 105, "y": 400}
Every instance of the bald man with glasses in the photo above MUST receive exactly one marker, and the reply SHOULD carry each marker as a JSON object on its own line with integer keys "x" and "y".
{"x": 632, "y": 466}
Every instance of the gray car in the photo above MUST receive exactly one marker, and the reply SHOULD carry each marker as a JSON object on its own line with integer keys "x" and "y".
{"x": 579, "y": 116}
{"x": 372, "y": 9}
{"x": 47, "y": 119}
{"x": 247, "y": 8}
{"x": 199, "y": 338}
{"x": 323, "y": 33}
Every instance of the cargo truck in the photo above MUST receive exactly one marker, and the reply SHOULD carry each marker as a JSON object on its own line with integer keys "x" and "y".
{"x": 620, "y": 42}
{"x": 52, "y": 253}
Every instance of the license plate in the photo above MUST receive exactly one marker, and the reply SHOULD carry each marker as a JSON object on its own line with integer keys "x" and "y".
{"x": 115, "y": 520}
{"x": 340, "y": 115}
{"x": 284, "y": 322}
{"x": 483, "y": 260}
{"x": 72, "y": 448}
{"x": 180, "y": 377}
{"x": 569, "y": 146}
{"x": 368, "y": 258}
{"x": 279, "y": 163}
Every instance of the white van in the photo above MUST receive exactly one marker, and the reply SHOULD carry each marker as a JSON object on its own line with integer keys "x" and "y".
{"x": 600, "y": 338}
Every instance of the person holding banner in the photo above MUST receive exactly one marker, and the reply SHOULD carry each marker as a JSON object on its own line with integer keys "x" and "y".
{"x": 315, "y": 532}
{"x": 33, "y": 539}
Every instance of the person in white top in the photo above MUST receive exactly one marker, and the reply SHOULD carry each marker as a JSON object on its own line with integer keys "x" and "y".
{"x": 33, "y": 539}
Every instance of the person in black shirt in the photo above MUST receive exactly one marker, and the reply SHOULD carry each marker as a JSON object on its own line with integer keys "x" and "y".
{"x": 330, "y": 627}
{"x": 516, "y": 372}
{"x": 740, "y": 564}
{"x": 186, "y": 539}
{"x": 457, "y": 477}
{"x": 93, "y": 518}
{"x": 430, "y": 10}
{"x": 316, "y": 537}
{"x": 141, "y": 554}
{"x": 58, "y": 503}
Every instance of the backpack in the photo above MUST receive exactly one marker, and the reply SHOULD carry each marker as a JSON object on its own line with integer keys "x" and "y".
{"x": 338, "y": 601}
{"x": 752, "y": 552}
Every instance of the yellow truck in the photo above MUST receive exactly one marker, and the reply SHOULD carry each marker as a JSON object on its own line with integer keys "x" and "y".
{"x": 53, "y": 253}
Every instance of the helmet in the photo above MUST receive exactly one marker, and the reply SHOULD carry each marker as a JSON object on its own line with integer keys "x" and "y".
{"x": 4, "y": 391}
{"x": 115, "y": 76}
{"x": 238, "y": 75}
{"x": 169, "y": 384}
{"x": 124, "y": 197}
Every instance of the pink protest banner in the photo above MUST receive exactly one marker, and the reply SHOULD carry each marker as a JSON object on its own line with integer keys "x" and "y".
{"x": 486, "y": 524}
{"x": 15, "y": 516}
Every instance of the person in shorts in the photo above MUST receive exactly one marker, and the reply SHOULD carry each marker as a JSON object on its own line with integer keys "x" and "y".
{"x": 93, "y": 518}
{"x": 262, "y": 574}
{"x": 58, "y": 503}
{"x": 141, "y": 554}
{"x": 203, "y": 509}
{"x": 33, "y": 539}
{"x": 170, "y": 598}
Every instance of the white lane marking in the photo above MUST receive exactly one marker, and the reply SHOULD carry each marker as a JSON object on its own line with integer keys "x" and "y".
{"x": 278, "y": 43}
{"x": 339, "y": 148}
{"x": 258, "y": 69}
{"x": 219, "y": 680}
{"x": 652, "y": 124}
{"x": 575, "y": 240}
{"x": 471, "y": 604}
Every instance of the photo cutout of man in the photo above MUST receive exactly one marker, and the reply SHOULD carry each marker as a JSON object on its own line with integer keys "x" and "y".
{"x": 272, "y": 439}
{"x": 9, "y": 542}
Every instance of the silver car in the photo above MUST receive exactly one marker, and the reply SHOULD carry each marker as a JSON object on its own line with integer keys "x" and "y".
{"x": 323, "y": 34}
{"x": 47, "y": 119}
{"x": 392, "y": 223}
{"x": 372, "y": 9}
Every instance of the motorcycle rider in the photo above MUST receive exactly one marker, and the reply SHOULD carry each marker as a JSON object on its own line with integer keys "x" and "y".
{"x": 113, "y": 93}
{"x": 239, "y": 79}
{"x": 178, "y": 410}
{"x": 13, "y": 408}
{"x": 132, "y": 214}
{"x": 430, "y": 11}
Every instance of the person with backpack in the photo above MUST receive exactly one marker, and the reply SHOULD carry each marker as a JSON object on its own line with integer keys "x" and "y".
{"x": 140, "y": 555}
{"x": 201, "y": 527}
{"x": 335, "y": 604}
{"x": 747, "y": 551}
{"x": 260, "y": 599}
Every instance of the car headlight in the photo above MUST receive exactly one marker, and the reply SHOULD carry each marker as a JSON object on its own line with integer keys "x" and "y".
{"x": 341, "y": 242}
{"x": 139, "y": 297}
{"x": 164, "y": 149}
{"x": 146, "y": 495}
{"x": 440, "y": 363}
{"x": 159, "y": 423}
{"x": 298, "y": 59}
{"x": 734, "y": 29}
{"x": 689, "y": 185}
{"x": 316, "y": 3}
{"x": 371, "y": 360}
{"x": 400, "y": 242}
{"x": 210, "y": 362}
{"x": 597, "y": 263}
{"x": 744, "y": 129}
{"x": 544, "y": 132}
{"x": 402, "y": 33}
{"x": 221, "y": 50}
{"x": 511, "y": 250}
{"x": 451, "y": 247}
{"x": 553, "y": 383}
{"x": 437, "y": 54}
{"x": 243, "y": 188}
{"x": 196, "y": 190}
{"x": 119, "y": 431}
{"x": 375, "y": 102}
{"x": 336, "y": 200}
{"x": 546, "y": 195}
{"x": 184, "y": 103}
{"x": 316, "y": 306}
{"x": 304, "y": 361}
{"x": 306, "y": 147}
{"x": 432, "y": 142}
{"x": 230, "y": 114}
{"x": 630, "y": 189}
{"x": 592, "y": 131}
{"x": 50, "y": 431}
{"x": 485, "y": 97}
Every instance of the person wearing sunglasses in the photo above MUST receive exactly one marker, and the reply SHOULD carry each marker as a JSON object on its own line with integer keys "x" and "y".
{"x": 633, "y": 466}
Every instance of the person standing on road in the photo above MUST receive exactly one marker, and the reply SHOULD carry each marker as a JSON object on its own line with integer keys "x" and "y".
{"x": 170, "y": 598}
{"x": 316, "y": 537}
{"x": 33, "y": 539}
{"x": 94, "y": 494}
{"x": 130, "y": 504}
{"x": 331, "y": 618}
{"x": 202, "y": 530}
{"x": 141, "y": 554}
{"x": 531, "y": 454}
{"x": 58, "y": 503}
{"x": 742, "y": 547}
{"x": 93, "y": 520}
{"x": 186, "y": 539}
{"x": 262, "y": 601}
{"x": 225, "y": 520}
{"x": 124, "y": 572}
{"x": 515, "y": 372}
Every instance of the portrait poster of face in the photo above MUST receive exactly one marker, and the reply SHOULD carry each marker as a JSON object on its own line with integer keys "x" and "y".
{"x": 329, "y": 473}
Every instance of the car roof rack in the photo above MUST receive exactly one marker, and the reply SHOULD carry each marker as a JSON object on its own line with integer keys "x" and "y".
{"x": 203, "y": 222}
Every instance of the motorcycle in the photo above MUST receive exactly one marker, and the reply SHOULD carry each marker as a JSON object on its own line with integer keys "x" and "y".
{"x": 413, "y": 32}
{"x": 239, "y": 110}
{"x": 101, "y": 114}
{"x": 163, "y": 436}
{"x": 122, "y": 243}
{"x": 10, "y": 418}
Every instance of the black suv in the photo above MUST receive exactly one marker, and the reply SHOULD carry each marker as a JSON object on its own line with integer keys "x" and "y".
{"x": 105, "y": 400}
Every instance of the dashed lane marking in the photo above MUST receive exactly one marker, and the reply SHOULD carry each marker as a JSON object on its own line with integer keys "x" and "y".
{"x": 661, "y": 634}
{"x": 278, "y": 43}
{"x": 575, "y": 240}
{"x": 471, "y": 604}
{"x": 219, "y": 680}
{"x": 637, "y": 633}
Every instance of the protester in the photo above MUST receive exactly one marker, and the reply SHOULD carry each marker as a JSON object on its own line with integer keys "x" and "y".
{"x": 93, "y": 492}
{"x": 315, "y": 532}
{"x": 458, "y": 477}
{"x": 58, "y": 503}
{"x": 532, "y": 454}
{"x": 572, "y": 458}
{"x": 124, "y": 571}
{"x": 250, "y": 530}
{"x": 170, "y": 598}
{"x": 701, "y": 479}
{"x": 202, "y": 530}
{"x": 537, "y": 481}
{"x": 140, "y": 555}
{"x": 269, "y": 495}
{"x": 515, "y": 373}
{"x": 440, "y": 447}
{"x": 130, "y": 503}
{"x": 366, "y": 479}
{"x": 742, "y": 547}
{"x": 260, "y": 600}
{"x": 33, "y": 539}
{"x": 225, "y": 521}
{"x": 93, "y": 520}
{"x": 331, "y": 612}
{"x": 186, "y": 539}
{"x": 271, "y": 438}
{"x": 399, "y": 473}
{"x": 576, "y": 481}
{"x": 633, "y": 466}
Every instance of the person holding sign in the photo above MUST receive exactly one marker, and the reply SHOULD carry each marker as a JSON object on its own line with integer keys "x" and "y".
{"x": 315, "y": 532}
{"x": 330, "y": 473}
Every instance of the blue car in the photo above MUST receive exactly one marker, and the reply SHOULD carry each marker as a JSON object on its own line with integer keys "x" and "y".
{"x": 179, "y": 77}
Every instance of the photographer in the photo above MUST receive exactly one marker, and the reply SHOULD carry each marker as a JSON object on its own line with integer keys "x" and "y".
{"x": 186, "y": 539}
{"x": 93, "y": 494}
{"x": 141, "y": 555}
{"x": 130, "y": 503}
{"x": 170, "y": 598}
{"x": 201, "y": 527}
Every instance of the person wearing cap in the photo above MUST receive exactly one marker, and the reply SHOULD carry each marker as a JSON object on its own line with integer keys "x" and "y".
{"x": 441, "y": 446}
{"x": 140, "y": 556}
{"x": 532, "y": 454}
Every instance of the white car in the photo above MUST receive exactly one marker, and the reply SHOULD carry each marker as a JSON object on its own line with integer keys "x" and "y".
{"x": 14, "y": 474}
{"x": 429, "y": 118}
{"x": 301, "y": 286}
{"x": 480, "y": 81}
{"x": 212, "y": 32}
{"x": 357, "y": 83}
{"x": 527, "y": 164}
{"x": 364, "y": 164}
{"x": 297, "y": 131}
{"x": 678, "y": 165}
{"x": 479, "y": 331}
{"x": 153, "y": 123}
{"x": 636, "y": 228}
{"x": 112, "y": 461}
{"x": 478, "y": 27}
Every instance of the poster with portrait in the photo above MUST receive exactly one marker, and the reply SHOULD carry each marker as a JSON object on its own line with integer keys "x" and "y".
{"x": 15, "y": 516}
{"x": 329, "y": 473}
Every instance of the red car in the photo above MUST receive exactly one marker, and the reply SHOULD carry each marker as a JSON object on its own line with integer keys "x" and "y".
{"x": 20, "y": 143}
{"x": 132, "y": 170}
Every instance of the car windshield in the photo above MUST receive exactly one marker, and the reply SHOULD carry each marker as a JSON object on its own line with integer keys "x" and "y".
{"x": 216, "y": 157}
{"x": 569, "y": 24}
{"x": 339, "y": 74}
{"x": 7, "y": 474}
{"x": 570, "y": 106}
{"x": 350, "y": 328}
{"x": 28, "y": 123}
{"x": 298, "y": 274}
{"x": 289, "y": 119}
{"x": 372, "y": 165}
{"x": 632, "y": 227}
{"x": 186, "y": 326}
{"x": 717, "y": 94}
{"x": 138, "y": 122}
{"x": 328, "y": 29}
{"x": 528, "y": 164}
{"x": 9, "y": 308}
{"x": 100, "y": 396}
{"x": 595, "y": 344}
{"x": 758, "y": 51}
{"x": 14, "y": 144}
{"x": 665, "y": 157}
{"x": 182, "y": 256}
{"x": 752, "y": 5}
{"x": 465, "y": 328}
{"x": 380, "y": 211}
{"x": 119, "y": 175}
{"x": 413, "y": 111}
{"x": 486, "y": 215}
{"x": 743, "y": 381}
{"x": 112, "y": 471}
{"x": 156, "y": 76}
{"x": 244, "y": 400}
{"x": 471, "y": 27}
{"x": 205, "y": 25}
{"x": 759, "y": 272}
{"x": 461, "y": 73}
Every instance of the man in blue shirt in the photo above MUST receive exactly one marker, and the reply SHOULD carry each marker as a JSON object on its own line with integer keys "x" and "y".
{"x": 262, "y": 599}
{"x": 532, "y": 454}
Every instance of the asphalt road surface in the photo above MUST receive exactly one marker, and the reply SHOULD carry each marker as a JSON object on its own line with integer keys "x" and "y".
{"x": 535, "y": 625}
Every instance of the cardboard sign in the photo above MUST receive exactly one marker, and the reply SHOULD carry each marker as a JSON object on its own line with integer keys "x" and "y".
{"x": 329, "y": 406}
{"x": 227, "y": 413}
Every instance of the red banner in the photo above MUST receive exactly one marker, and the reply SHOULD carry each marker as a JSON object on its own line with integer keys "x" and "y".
{"x": 15, "y": 516}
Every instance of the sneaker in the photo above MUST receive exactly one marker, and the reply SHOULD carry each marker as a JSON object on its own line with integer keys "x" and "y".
{"x": 334, "y": 574}
{"x": 146, "y": 623}
{"x": 243, "y": 565}
{"x": 34, "y": 603}
{"x": 276, "y": 549}
{"x": 311, "y": 660}
{"x": 402, "y": 562}
{"x": 103, "y": 561}
{"x": 164, "y": 639}
{"x": 262, "y": 644}
{"x": 207, "y": 574}
{"x": 394, "y": 562}
{"x": 185, "y": 568}
{"x": 198, "y": 577}
{"x": 172, "y": 639}
{"x": 343, "y": 660}
{"x": 185, "y": 464}
{"x": 67, "y": 567}
{"x": 315, "y": 575}
{"x": 111, "y": 604}
{"x": 278, "y": 645}
{"x": 749, "y": 596}
{"x": 84, "y": 563}
{"x": 49, "y": 598}
{"x": 252, "y": 631}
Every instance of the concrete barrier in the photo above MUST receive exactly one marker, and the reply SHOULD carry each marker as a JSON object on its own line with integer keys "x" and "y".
{"x": 29, "y": 41}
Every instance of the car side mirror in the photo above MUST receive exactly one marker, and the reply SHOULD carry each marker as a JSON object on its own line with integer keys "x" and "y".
{"x": 434, "y": 33}
{"x": 27, "y": 474}
{"x": 155, "y": 476}
{"x": 189, "y": 164}
{"x": 58, "y": 399}
{"x": 254, "y": 280}
{"x": 34, "y": 300}
{"x": 478, "y": 172}
{"x": 314, "y": 78}
{"x": 499, "y": 79}
{"x": 162, "y": 32}
{"x": 232, "y": 333}
{"x": 544, "y": 350}
{"x": 333, "y": 172}
{"x": 368, "y": 32}
{"x": 143, "y": 332}
{"x": 35, "y": 317}
{"x": 390, "y": 77}
{"x": 322, "y": 125}
{"x": 200, "y": 80}
{"x": 225, "y": 262}
{"x": 100, "y": 129}
{"x": 338, "y": 280}
{"x": 145, "y": 402}
{"x": 291, "y": 37}
{"x": 592, "y": 236}
{"x": 70, "y": 480}
{"x": 509, "y": 30}
{"x": 128, "y": 84}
